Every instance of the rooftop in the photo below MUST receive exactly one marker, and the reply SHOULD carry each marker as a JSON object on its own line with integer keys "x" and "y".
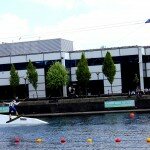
{"x": 32, "y": 47}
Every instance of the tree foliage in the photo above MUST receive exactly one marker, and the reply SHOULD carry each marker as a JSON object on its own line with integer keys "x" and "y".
{"x": 136, "y": 80}
{"x": 109, "y": 68}
{"x": 82, "y": 73}
{"x": 32, "y": 75}
{"x": 57, "y": 76}
{"x": 14, "y": 78}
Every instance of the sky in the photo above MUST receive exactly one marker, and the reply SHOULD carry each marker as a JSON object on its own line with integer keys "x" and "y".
{"x": 90, "y": 24}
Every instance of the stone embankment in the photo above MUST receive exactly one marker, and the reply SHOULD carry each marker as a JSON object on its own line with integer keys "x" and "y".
{"x": 80, "y": 106}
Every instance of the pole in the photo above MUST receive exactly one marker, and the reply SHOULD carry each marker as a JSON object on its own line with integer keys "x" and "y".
{"x": 25, "y": 86}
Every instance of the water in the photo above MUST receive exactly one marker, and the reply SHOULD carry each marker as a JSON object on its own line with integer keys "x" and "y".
{"x": 102, "y": 129}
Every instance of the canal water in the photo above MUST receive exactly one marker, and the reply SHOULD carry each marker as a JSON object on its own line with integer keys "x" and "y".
{"x": 95, "y": 132}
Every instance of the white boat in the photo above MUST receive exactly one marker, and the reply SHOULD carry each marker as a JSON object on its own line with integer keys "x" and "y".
{"x": 21, "y": 120}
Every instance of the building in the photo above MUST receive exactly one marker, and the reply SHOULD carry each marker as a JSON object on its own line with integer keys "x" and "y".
{"x": 42, "y": 53}
{"x": 129, "y": 61}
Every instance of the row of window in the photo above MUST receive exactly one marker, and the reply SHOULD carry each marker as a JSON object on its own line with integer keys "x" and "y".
{"x": 23, "y": 66}
{"x": 73, "y": 63}
{"x": 99, "y": 61}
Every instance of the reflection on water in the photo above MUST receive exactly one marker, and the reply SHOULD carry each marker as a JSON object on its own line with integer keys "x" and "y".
{"x": 102, "y": 129}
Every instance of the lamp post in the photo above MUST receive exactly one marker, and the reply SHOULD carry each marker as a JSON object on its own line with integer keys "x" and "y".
{"x": 98, "y": 80}
{"x": 98, "y": 75}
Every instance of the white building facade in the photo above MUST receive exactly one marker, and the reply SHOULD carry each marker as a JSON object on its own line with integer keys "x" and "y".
{"x": 128, "y": 60}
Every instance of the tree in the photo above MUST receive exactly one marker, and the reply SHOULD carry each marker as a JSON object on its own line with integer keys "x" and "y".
{"x": 57, "y": 76}
{"x": 136, "y": 80}
{"x": 14, "y": 79}
{"x": 109, "y": 68}
{"x": 32, "y": 75}
{"x": 82, "y": 73}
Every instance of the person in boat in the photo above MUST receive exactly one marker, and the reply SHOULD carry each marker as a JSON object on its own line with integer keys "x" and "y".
{"x": 12, "y": 108}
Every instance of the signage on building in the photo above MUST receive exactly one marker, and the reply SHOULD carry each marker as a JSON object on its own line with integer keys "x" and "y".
{"x": 120, "y": 103}
{"x": 4, "y": 109}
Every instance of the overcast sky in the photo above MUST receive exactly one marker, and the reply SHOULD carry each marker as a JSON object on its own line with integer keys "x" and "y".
{"x": 88, "y": 23}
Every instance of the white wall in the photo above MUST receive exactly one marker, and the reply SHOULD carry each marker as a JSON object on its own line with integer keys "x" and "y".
{"x": 4, "y": 80}
{"x": 148, "y": 66}
{"x": 93, "y": 70}
{"x": 5, "y": 60}
{"x": 117, "y": 85}
{"x": 129, "y": 51}
{"x": 18, "y": 59}
{"x": 35, "y": 57}
{"x": 115, "y": 89}
{"x": 147, "y": 70}
{"x": 92, "y": 54}
{"x": 5, "y": 75}
{"x": 41, "y": 94}
{"x": 147, "y": 50}
{"x": 67, "y": 56}
{"x": 52, "y": 56}
{"x": 148, "y": 73}
{"x": 96, "y": 76}
{"x": 96, "y": 68}
{"x": 41, "y": 85}
{"x": 114, "y": 52}
{"x": 75, "y": 55}
{"x": 101, "y": 53}
{"x": 88, "y": 54}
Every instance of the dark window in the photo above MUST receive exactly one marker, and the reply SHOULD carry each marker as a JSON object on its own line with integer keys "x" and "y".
{"x": 5, "y": 67}
{"x": 74, "y": 63}
{"x": 95, "y": 61}
{"x": 68, "y": 63}
{"x": 50, "y": 62}
{"x": 146, "y": 59}
{"x": 147, "y": 82}
{"x": 20, "y": 66}
{"x": 131, "y": 59}
{"x": 39, "y": 64}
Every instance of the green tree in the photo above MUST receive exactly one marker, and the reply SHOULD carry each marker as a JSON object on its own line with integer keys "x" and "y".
{"x": 109, "y": 68}
{"x": 32, "y": 75}
{"x": 82, "y": 73}
{"x": 136, "y": 80}
{"x": 57, "y": 76}
{"x": 14, "y": 79}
